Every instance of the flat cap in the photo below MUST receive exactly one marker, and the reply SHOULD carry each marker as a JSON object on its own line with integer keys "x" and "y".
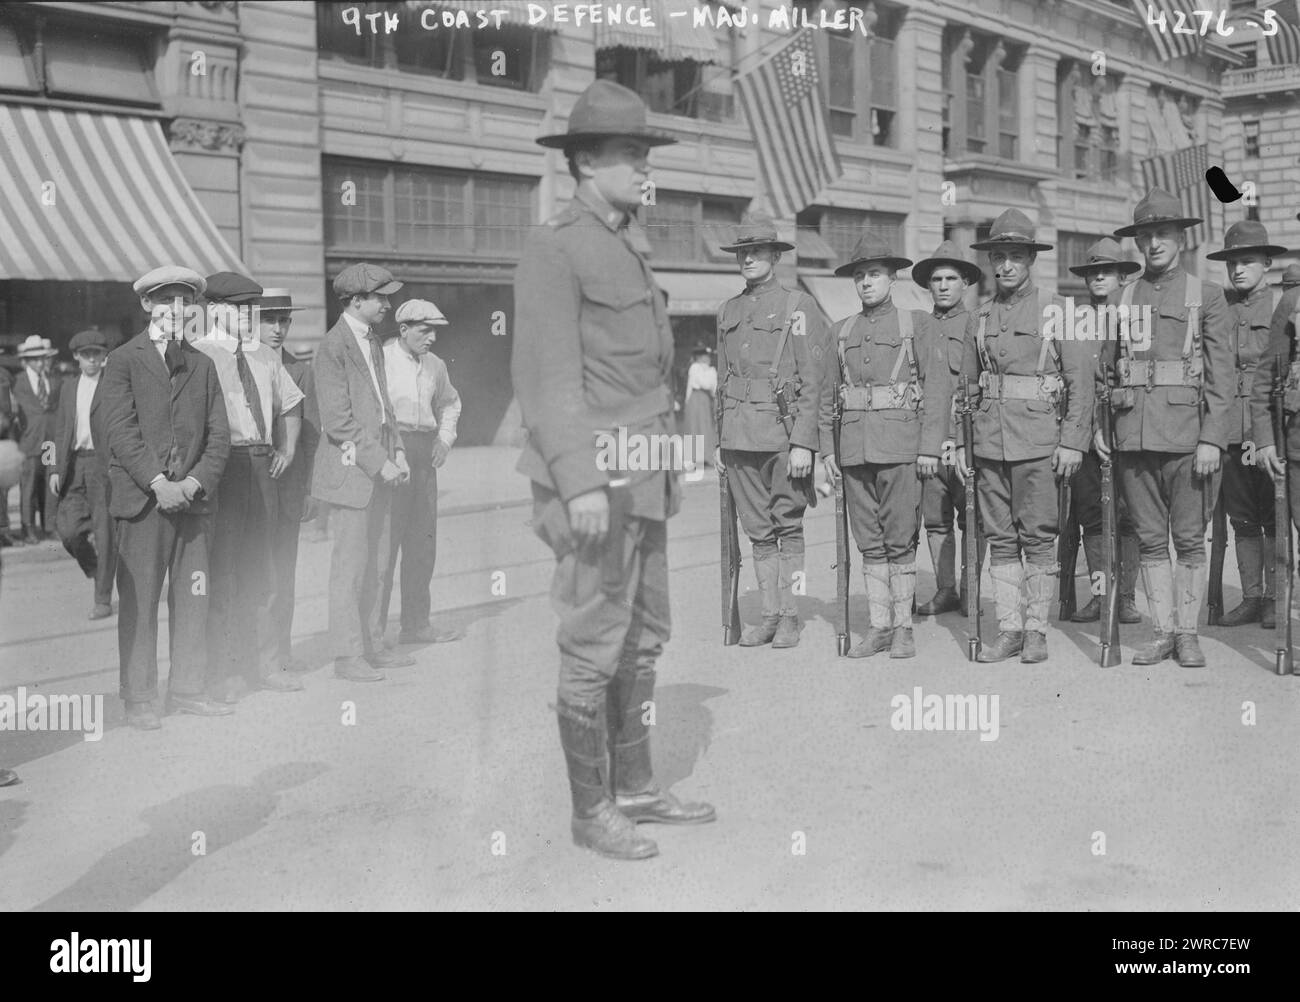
{"x": 90, "y": 338}
{"x": 362, "y": 279}
{"x": 169, "y": 274}
{"x": 231, "y": 287}
{"x": 419, "y": 311}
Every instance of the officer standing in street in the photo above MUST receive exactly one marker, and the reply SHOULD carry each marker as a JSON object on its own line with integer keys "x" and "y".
{"x": 1173, "y": 407}
{"x": 772, "y": 344}
{"x": 943, "y": 497}
{"x": 593, "y": 354}
{"x": 1247, "y": 494}
{"x": 1104, "y": 271}
{"x": 896, "y": 392}
{"x": 1032, "y": 424}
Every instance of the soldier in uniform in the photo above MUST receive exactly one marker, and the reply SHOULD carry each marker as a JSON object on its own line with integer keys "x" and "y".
{"x": 1032, "y": 424}
{"x": 943, "y": 497}
{"x": 1290, "y": 278}
{"x": 593, "y": 357}
{"x": 771, "y": 344}
{"x": 1172, "y": 411}
{"x": 1104, "y": 271}
{"x": 895, "y": 398}
{"x": 1247, "y": 495}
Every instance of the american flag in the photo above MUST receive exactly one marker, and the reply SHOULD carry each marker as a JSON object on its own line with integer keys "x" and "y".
{"x": 1183, "y": 173}
{"x": 782, "y": 100}
{"x": 1170, "y": 44}
{"x": 1284, "y": 45}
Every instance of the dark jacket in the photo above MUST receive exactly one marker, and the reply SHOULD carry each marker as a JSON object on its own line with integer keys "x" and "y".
{"x": 35, "y": 423}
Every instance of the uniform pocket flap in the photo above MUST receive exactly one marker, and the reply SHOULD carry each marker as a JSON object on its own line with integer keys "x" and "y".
{"x": 1040, "y": 407}
{"x": 616, "y": 296}
{"x": 1187, "y": 396}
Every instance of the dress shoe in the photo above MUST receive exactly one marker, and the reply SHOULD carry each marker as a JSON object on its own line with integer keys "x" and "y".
{"x": 199, "y": 706}
{"x": 1187, "y": 649}
{"x": 428, "y": 635}
{"x": 8, "y": 777}
{"x": 356, "y": 670}
{"x": 873, "y": 641}
{"x": 1155, "y": 650}
{"x": 611, "y": 834}
{"x": 1034, "y": 649}
{"x": 386, "y": 659}
{"x": 296, "y": 666}
{"x": 945, "y": 600}
{"x": 100, "y": 612}
{"x": 902, "y": 644}
{"x": 1248, "y": 612}
{"x": 1090, "y": 613}
{"x": 1007, "y": 644}
{"x": 142, "y": 716}
{"x": 1128, "y": 610}
{"x": 1268, "y": 614}
{"x": 787, "y": 632}
{"x": 760, "y": 634}
{"x": 278, "y": 681}
{"x": 30, "y": 536}
{"x": 661, "y": 806}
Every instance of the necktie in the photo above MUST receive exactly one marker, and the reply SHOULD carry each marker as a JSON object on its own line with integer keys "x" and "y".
{"x": 377, "y": 359}
{"x": 43, "y": 392}
{"x": 172, "y": 356}
{"x": 251, "y": 395}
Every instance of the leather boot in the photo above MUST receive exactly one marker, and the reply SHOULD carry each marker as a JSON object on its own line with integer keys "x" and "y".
{"x": 597, "y": 824}
{"x": 1189, "y": 583}
{"x": 942, "y": 555}
{"x": 1130, "y": 561}
{"x": 1091, "y": 612}
{"x": 1034, "y": 649}
{"x": 767, "y": 570}
{"x": 1268, "y": 608}
{"x": 1039, "y": 585}
{"x": 1158, "y": 583}
{"x": 902, "y": 591}
{"x": 1007, "y": 580}
{"x": 787, "y": 632}
{"x": 636, "y": 794}
{"x": 1250, "y": 566}
{"x": 880, "y": 603}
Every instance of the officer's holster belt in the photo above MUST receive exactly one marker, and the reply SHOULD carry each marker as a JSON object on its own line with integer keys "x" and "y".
{"x": 889, "y": 397}
{"x": 1021, "y": 387}
{"x": 639, "y": 410}
{"x": 1169, "y": 373}
{"x": 754, "y": 391}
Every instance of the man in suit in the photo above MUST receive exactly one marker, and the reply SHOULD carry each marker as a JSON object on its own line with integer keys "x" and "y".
{"x": 35, "y": 404}
{"x": 80, "y": 476}
{"x": 168, "y": 440}
{"x": 359, "y": 460}
{"x": 294, "y": 503}
{"x": 6, "y": 416}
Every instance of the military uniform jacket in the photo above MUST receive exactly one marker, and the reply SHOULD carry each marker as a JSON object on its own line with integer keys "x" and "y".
{"x": 1011, "y": 429}
{"x": 749, "y": 331}
{"x": 1281, "y": 346}
{"x": 1249, "y": 339}
{"x": 952, "y": 332}
{"x": 1176, "y": 418}
{"x": 872, "y": 343}
{"x": 593, "y": 353}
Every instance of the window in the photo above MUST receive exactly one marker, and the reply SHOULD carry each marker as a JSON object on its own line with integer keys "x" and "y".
{"x": 690, "y": 228}
{"x": 1087, "y": 113}
{"x": 1071, "y": 251}
{"x": 671, "y": 88}
{"x": 424, "y": 211}
{"x": 982, "y": 115}
{"x": 841, "y": 228}
{"x": 109, "y": 64}
{"x": 861, "y": 89}
{"x": 1251, "y": 135}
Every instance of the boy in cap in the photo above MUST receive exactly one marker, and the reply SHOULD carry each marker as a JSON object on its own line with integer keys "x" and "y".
{"x": 80, "y": 476}
{"x": 894, "y": 384}
{"x": 1173, "y": 407}
{"x": 35, "y": 404}
{"x": 593, "y": 353}
{"x": 1032, "y": 423}
{"x": 776, "y": 407}
{"x": 1104, "y": 271}
{"x": 360, "y": 459}
{"x": 160, "y": 406}
{"x": 1247, "y": 494}
{"x": 427, "y": 407}
{"x": 264, "y": 412}
{"x": 947, "y": 275}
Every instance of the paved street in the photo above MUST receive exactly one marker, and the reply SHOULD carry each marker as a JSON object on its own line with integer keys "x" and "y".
{"x": 448, "y": 791}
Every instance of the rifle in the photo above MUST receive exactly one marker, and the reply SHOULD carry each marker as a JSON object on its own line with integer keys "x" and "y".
{"x": 1110, "y": 653}
{"x": 970, "y": 537}
{"x": 730, "y": 562}
{"x": 842, "y": 634}
{"x": 1282, "y": 525}
{"x": 1218, "y": 547}
{"x": 1067, "y": 539}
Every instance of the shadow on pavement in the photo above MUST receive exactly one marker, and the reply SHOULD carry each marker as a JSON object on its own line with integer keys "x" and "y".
{"x": 11, "y": 817}
{"x": 683, "y": 729}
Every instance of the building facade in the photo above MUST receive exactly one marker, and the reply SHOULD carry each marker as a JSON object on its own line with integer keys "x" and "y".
{"x": 315, "y": 137}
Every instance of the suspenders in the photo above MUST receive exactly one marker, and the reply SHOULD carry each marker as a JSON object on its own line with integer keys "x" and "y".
{"x": 1035, "y": 387}
{"x": 892, "y": 395}
{"x": 1150, "y": 372}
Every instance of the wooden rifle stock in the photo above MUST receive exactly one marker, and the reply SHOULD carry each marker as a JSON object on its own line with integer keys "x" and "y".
{"x": 1282, "y": 525}
{"x": 970, "y": 538}
{"x": 730, "y": 557}
{"x": 1110, "y": 652}
{"x": 842, "y": 558}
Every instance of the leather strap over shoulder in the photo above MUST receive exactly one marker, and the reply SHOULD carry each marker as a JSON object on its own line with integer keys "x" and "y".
{"x": 792, "y": 298}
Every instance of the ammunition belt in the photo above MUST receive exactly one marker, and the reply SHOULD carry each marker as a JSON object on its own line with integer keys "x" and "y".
{"x": 1151, "y": 373}
{"x": 883, "y": 397}
{"x": 998, "y": 386}
{"x": 754, "y": 391}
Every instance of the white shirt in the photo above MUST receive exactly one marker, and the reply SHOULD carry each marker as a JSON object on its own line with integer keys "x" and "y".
{"x": 159, "y": 339}
{"x": 701, "y": 376}
{"x": 34, "y": 378}
{"x": 362, "y": 333}
{"x": 276, "y": 389}
{"x": 421, "y": 391}
{"x": 81, "y": 438}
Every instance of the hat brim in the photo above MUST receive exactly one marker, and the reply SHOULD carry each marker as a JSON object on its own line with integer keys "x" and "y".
{"x": 1132, "y": 229}
{"x": 922, "y": 270}
{"x": 780, "y": 245}
{"x": 1124, "y": 267}
{"x": 560, "y": 140}
{"x": 896, "y": 263}
{"x": 990, "y": 245}
{"x": 199, "y": 289}
{"x": 1268, "y": 250}
{"x": 40, "y": 353}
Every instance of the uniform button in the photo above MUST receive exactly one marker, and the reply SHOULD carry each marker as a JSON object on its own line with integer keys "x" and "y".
{"x": 1004, "y": 327}
{"x": 745, "y": 344}
{"x": 1159, "y": 287}
{"x": 1003, "y": 353}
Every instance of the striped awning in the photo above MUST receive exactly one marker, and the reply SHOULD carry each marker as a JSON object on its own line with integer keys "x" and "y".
{"x": 673, "y": 37}
{"x": 516, "y": 12}
{"x": 94, "y": 197}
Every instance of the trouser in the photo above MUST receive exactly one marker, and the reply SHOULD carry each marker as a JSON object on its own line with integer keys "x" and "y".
{"x": 356, "y": 574}
{"x": 606, "y": 624}
{"x": 32, "y": 492}
{"x": 770, "y": 511}
{"x": 151, "y": 546}
{"x": 943, "y": 505}
{"x": 1247, "y": 495}
{"x": 414, "y": 533}
{"x": 1165, "y": 499}
{"x": 83, "y": 515}
{"x": 1018, "y": 509}
{"x": 275, "y": 632}
{"x": 1085, "y": 496}
{"x": 884, "y": 506}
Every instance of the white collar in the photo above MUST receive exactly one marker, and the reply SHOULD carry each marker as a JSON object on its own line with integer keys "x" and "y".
{"x": 358, "y": 328}
{"x": 220, "y": 336}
